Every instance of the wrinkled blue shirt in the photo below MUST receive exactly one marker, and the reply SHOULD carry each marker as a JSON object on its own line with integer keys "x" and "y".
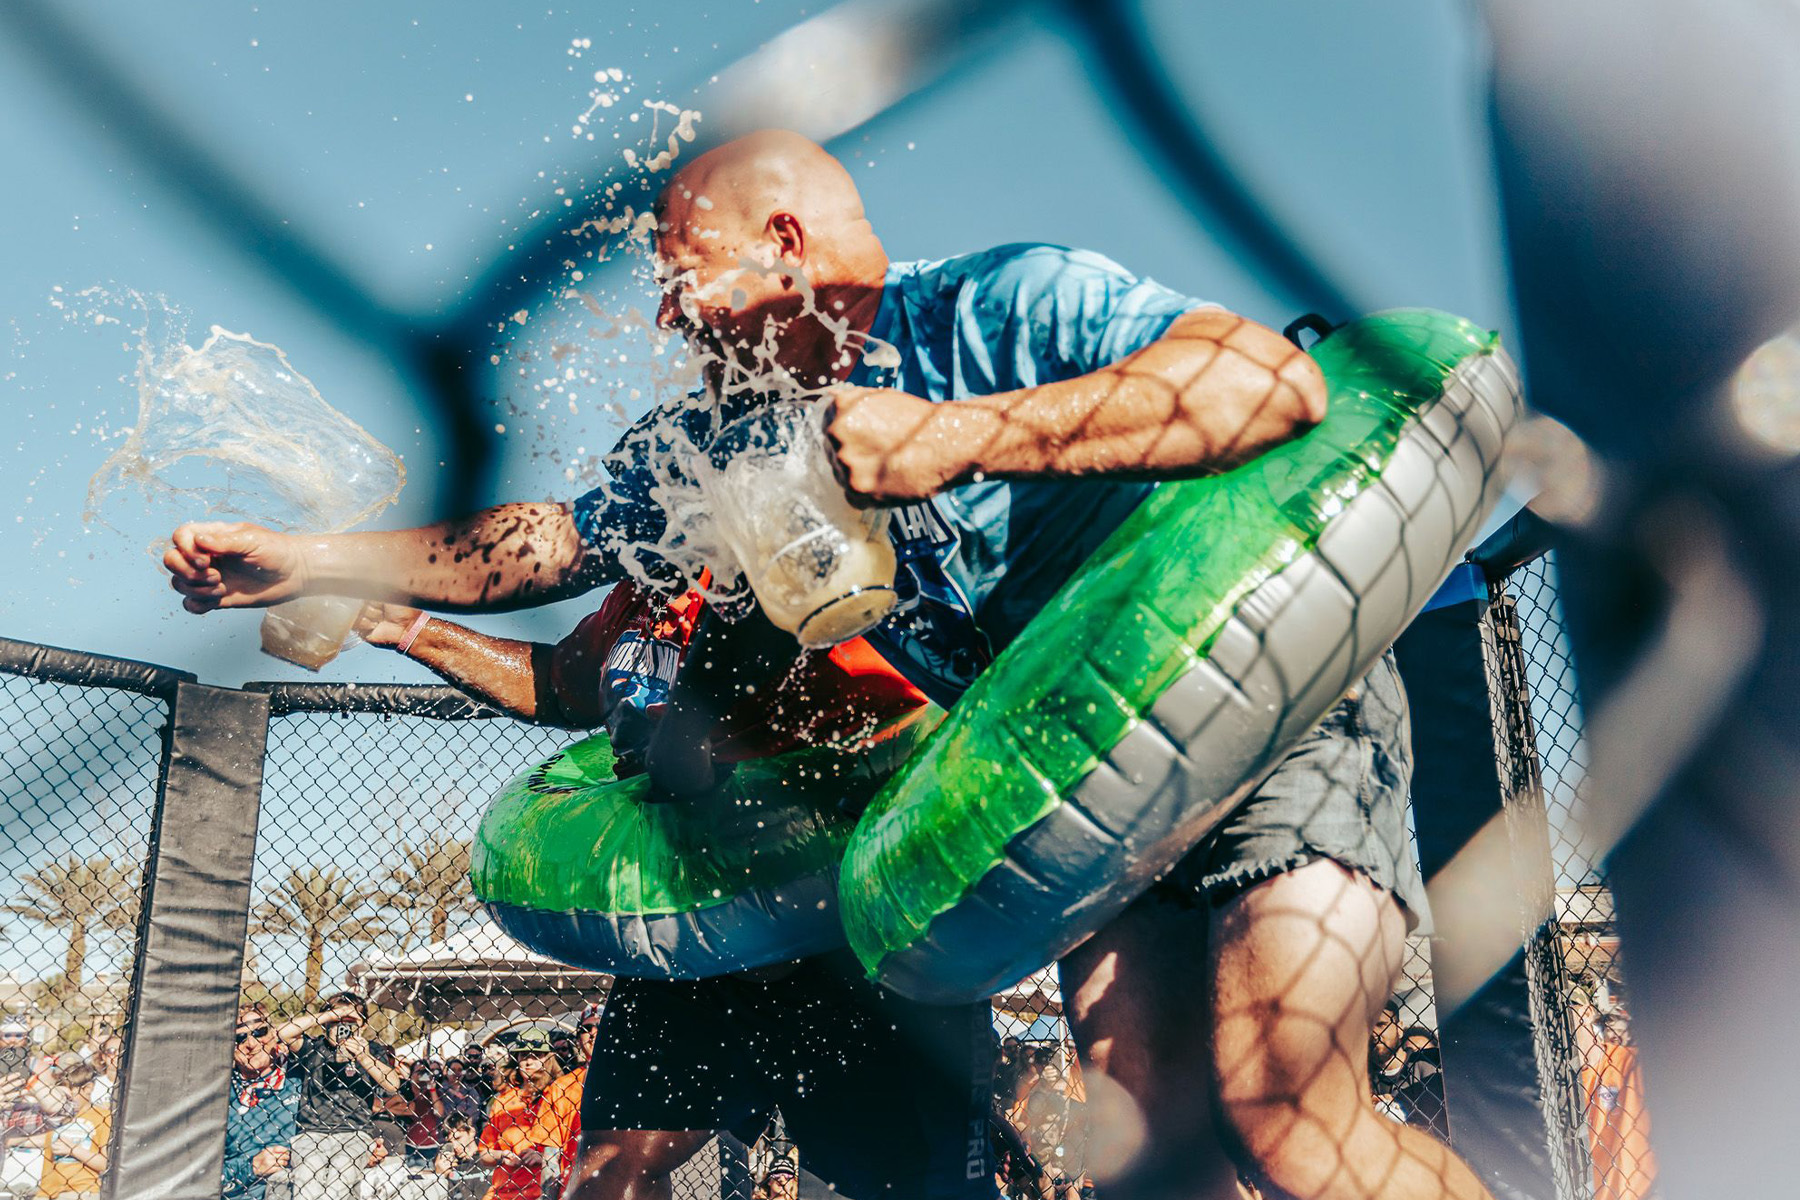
{"x": 977, "y": 562}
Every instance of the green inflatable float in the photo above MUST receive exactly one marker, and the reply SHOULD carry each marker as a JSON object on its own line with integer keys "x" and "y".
{"x": 1216, "y": 626}
{"x": 585, "y": 867}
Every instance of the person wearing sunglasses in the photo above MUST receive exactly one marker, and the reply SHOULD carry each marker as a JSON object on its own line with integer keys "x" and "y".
{"x": 559, "y": 1117}
{"x": 265, "y": 1101}
{"x": 506, "y": 1143}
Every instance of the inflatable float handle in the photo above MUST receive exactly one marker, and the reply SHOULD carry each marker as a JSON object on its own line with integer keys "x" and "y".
{"x": 1309, "y": 322}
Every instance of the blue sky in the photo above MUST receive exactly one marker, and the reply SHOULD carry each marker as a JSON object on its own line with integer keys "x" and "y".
{"x": 414, "y": 140}
{"x": 409, "y": 139}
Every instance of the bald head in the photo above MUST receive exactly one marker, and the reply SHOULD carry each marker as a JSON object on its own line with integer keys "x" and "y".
{"x": 747, "y": 181}
{"x": 744, "y": 230}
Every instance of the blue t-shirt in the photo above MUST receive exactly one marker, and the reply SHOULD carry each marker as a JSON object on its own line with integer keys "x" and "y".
{"x": 261, "y": 1115}
{"x": 976, "y": 562}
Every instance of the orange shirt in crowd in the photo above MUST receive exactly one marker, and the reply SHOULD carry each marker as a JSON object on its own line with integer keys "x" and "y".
{"x": 559, "y": 1117}
{"x": 91, "y": 1129}
{"x": 1618, "y": 1124}
{"x": 510, "y": 1118}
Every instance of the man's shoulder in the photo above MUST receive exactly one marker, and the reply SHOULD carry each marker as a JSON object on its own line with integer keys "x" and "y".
{"x": 1014, "y": 266}
{"x": 670, "y": 422}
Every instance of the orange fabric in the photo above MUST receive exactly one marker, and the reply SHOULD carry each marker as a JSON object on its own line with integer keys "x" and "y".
{"x": 63, "y": 1176}
{"x": 1618, "y": 1124}
{"x": 834, "y": 697}
{"x": 1077, "y": 1086}
{"x": 510, "y": 1117}
{"x": 559, "y": 1117}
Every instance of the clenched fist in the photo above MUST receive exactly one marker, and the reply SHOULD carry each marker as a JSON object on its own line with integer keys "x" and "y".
{"x": 216, "y": 564}
{"x": 891, "y": 446}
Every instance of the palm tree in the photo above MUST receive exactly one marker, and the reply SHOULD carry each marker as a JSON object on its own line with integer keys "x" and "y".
{"x": 431, "y": 886}
{"x": 79, "y": 897}
{"x": 323, "y": 907}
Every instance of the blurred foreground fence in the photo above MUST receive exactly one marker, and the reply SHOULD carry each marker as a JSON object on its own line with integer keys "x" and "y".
{"x": 172, "y": 850}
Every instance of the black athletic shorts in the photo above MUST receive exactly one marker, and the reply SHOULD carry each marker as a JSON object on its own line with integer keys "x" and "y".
{"x": 883, "y": 1097}
{"x": 1340, "y": 793}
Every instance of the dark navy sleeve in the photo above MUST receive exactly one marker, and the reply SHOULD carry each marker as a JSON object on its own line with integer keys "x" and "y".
{"x": 240, "y": 1150}
{"x": 621, "y": 518}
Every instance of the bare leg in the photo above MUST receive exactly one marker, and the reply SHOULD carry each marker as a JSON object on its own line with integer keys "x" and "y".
{"x": 620, "y": 1164}
{"x": 1301, "y": 967}
{"x": 1136, "y": 996}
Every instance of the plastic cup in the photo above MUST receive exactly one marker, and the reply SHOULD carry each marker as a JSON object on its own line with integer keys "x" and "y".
{"x": 821, "y": 568}
{"x": 311, "y": 631}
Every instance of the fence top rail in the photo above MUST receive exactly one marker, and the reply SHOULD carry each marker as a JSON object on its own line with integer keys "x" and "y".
{"x": 382, "y": 699}
{"x": 1521, "y": 541}
{"x": 53, "y": 664}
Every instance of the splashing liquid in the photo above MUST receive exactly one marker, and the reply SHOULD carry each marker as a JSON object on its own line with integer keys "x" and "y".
{"x": 232, "y": 426}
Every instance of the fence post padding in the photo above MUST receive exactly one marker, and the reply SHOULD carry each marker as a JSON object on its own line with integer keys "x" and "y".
{"x": 175, "y": 1088}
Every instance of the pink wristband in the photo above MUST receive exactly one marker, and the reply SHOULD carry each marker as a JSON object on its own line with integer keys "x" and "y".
{"x": 412, "y": 632}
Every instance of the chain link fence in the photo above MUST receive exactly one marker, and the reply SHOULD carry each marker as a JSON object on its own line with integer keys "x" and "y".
{"x": 369, "y": 801}
{"x": 1581, "y": 1015}
{"x": 80, "y": 758}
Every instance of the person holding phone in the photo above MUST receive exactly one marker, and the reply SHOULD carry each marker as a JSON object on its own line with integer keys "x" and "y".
{"x": 422, "y": 1114}
{"x": 506, "y": 1144}
{"x": 340, "y": 1073}
{"x": 459, "y": 1160}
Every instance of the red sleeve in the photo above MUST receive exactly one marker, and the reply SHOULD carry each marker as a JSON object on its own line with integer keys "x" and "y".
{"x": 838, "y": 697}
{"x": 578, "y": 663}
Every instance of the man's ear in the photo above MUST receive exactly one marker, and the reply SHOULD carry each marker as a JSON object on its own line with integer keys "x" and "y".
{"x": 789, "y": 236}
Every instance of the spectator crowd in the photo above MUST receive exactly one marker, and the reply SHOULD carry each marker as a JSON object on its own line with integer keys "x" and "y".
{"x": 1039, "y": 1123}
{"x": 319, "y": 1112}
{"x": 55, "y": 1114}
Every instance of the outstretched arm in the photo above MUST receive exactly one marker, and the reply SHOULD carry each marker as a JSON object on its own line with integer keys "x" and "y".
{"x": 513, "y": 556}
{"x": 507, "y": 673}
{"x": 1215, "y": 390}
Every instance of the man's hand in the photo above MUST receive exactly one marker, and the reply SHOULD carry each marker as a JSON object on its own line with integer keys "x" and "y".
{"x": 891, "y": 446}
{"x": 355, "y": 1046}
{"x": 269, "y": 1160}
{"x": 219, "y": 565}
{"x": 384, "y": 624}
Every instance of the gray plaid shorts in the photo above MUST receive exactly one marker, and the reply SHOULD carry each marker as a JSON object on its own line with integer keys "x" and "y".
{"x": 1341, "y": 793}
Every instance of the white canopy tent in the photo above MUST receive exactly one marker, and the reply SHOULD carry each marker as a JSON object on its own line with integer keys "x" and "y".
{"x": 1037, "y": 995}
{"x": 1031, "y": 1010}
{"x": 476, "y": 974}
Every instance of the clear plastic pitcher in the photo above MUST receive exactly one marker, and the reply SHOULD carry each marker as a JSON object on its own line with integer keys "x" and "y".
{"x": 821, "y": 568}
{"x": 311, "y": 631}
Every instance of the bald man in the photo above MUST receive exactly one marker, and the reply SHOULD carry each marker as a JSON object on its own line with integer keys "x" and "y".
{"x": 1013, "y": 406}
